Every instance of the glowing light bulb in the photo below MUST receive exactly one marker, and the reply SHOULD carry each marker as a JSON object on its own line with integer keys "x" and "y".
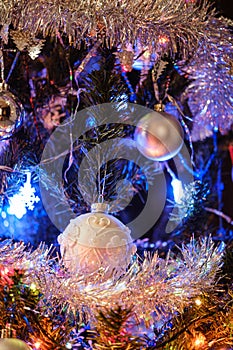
{"x": 198, "y": 302}
{"x": 16, "y": 208}
{"x": 37, "y": 345}
{"x": 163, "y": 40}
{"x": 199, "y": 341}
{"x": 178, "y": 191}
{"x": 33, "y": 286}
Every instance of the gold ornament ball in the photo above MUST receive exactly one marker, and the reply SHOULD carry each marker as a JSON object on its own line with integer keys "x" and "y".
{"x": 13, "y": 344}
{"x": 94, "y": 240}
{"x": 159, "y": 136}
{"x": 11, "y": 112}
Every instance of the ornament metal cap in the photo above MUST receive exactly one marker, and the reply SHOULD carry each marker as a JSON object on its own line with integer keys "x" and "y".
{"x": 159, "y": 107}
{"x": 100, "y": 208}
{"x": 3, "y": 86}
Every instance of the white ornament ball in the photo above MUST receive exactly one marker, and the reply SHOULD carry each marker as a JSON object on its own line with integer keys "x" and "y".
{"x": 95, "y": 240}
{"x": 159, "y": 136}
{"x": 13, "y": 344}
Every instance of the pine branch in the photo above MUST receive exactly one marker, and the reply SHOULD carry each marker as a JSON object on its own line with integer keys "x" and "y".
{"x": 112, "y": 330}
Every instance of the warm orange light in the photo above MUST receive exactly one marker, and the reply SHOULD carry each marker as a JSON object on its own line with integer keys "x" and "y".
{"x": 163, "y": 40}
{"x": 198, "y": 302}
{"x": 37, "y": 345}
{"x": 199, "y": 341}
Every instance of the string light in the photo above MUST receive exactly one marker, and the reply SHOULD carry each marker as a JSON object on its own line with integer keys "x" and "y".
{"x": 178, "y": 191}
{"x": 33, "y": 287}
{"x": 37, "y": 345}
{"x": 163, "y": 40}
{"x": 199, "y": 341}
{"x": 198, "y": 302}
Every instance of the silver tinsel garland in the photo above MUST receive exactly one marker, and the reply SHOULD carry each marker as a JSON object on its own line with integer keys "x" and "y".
{"x": 182, "y": 30}
{"x": 156, "y": 287}
{"x": 165, "y": 26}
{"x": 211, "y": 74}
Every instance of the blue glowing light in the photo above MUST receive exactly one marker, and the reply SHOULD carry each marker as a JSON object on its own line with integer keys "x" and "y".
{"x": 23, "y": 200}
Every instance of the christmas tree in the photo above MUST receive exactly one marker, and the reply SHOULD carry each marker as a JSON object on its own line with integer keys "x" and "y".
{"x": 116, "y": 175}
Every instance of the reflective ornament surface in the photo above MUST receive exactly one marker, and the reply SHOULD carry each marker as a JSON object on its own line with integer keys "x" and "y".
{"x": 11, "y": 112}
{"x": 95, "y": 240}
{"x": 159, "y": 136}
{"x": 13, "y": 344}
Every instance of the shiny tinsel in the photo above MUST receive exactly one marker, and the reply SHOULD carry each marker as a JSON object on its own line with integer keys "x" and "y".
{"x": 209, "y": 94}
{"x": 177, "y": 24}
{"x": 24, "y": 40}
{"x": 192, "y": 202}
{"x": 155, "y": 287}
